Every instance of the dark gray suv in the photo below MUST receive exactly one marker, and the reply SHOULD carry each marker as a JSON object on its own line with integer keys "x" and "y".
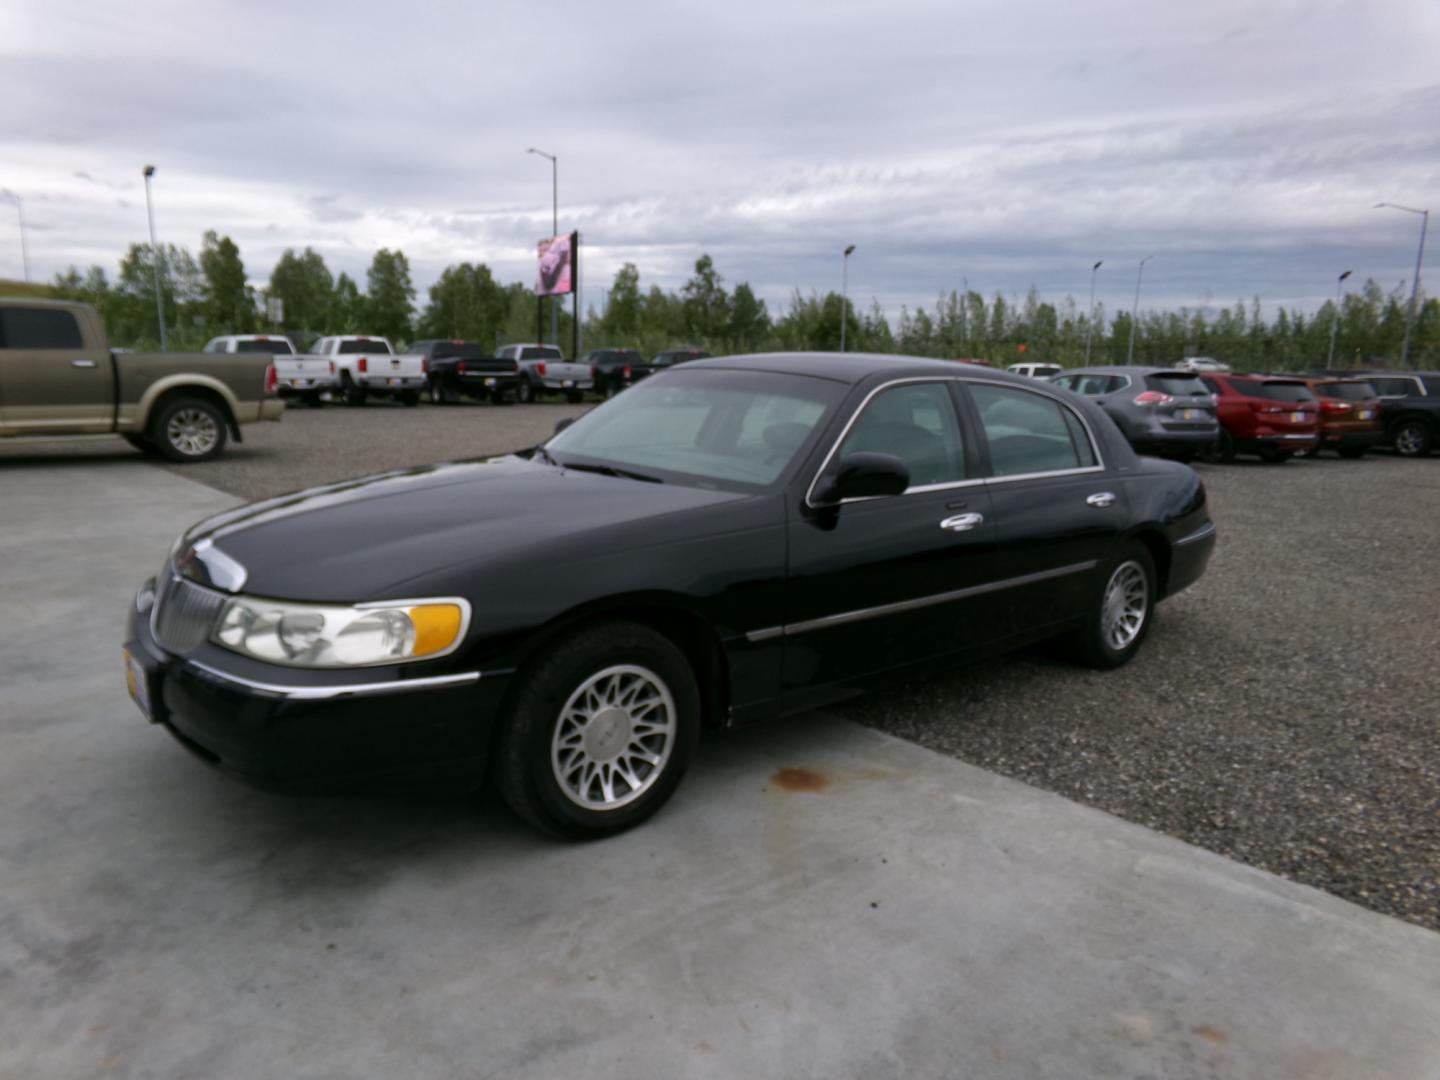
{"x": 1161, "y": 411}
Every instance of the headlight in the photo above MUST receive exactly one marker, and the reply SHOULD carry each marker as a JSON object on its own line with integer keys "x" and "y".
{"x": 335, "y": 636}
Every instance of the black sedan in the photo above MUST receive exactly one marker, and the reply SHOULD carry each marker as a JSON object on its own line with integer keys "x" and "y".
{"x": 729, "y": 541}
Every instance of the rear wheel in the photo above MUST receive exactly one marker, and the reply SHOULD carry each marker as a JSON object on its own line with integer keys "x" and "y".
{"x": 1120, "y": 612}
{"x": 525, "y": 393}
{"x": 1412, "y": 438}
{"x": 600, "y": 732}
{"x": 187, "y": 429}
{"x": 351, "y": 392}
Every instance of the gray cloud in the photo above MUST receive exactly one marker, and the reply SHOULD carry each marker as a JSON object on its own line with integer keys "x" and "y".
{"x": 1010, "y": 142}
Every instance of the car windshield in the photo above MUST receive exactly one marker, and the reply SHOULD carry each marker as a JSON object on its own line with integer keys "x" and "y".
{"x": 540, "y": 352}
{"x": 1275, "y": 391}
{"x": 733, "y": 430}
{"x": 362, "y": 345}
{"x": 271, "y": 345}
{"x": 1346, "y": 391}
{"x": 1178, "y": 385}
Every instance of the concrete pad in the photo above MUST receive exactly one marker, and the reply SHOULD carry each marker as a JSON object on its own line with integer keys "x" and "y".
{"x": 819, "y": 900}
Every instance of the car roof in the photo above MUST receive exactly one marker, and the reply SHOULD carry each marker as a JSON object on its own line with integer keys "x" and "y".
{"x": 855, "y": 367}
{"x": 1121, "y": 369}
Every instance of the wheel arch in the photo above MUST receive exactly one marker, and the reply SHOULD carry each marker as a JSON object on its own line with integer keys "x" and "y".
{"x": 208, "y": 390}
{"x": 1161, "y": 554}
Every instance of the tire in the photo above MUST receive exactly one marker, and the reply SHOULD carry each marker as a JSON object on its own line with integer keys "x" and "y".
{"x": 1351, "y": 453}
{"x": 1223, "y": 452}
{"x": 544, "y": 757}
{"x": 435, "y": 394}
{"x": 1108, "y": 639}
{"x": 410, "y": 398}
{"x": 351, "y": 394}
{"x": 187, "y": 429}
{"x": 313, "y": 400}
{"x": 1412, "y": 438}
{"x": 525, "y": 392}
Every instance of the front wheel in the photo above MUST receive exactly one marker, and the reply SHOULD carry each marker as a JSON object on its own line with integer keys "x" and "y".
{"x": 188, "y": 429}
{"x": 1412, "y": 439}
{"x": 599, "y": 732}
{"x": 1120, "y": 612}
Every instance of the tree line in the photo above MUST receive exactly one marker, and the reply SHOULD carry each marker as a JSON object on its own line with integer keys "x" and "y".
{"x": 209, "y": 295}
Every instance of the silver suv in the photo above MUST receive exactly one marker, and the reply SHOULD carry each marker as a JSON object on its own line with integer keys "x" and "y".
{"x": 1161, "y": 411}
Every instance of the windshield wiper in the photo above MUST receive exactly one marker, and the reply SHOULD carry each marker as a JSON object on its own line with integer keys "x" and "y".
{"x": 611, "y": 470}
{"x": 544, "y": 455}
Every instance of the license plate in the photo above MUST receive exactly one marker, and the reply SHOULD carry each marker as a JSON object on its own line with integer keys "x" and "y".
{"x": 136, "y": 683}
{"x": 567, "y": 384}
{"x": 394, "y": 382}
{"x": 1365, "y": 414}
{"x": 489, "y": 382}
{"x": 1297, "y": 417}
{"x": 1189, "y": 414}
{"x": 299, "y": 382}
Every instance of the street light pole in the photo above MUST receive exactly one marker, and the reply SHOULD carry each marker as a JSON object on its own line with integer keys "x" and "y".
{"x": 845, "y": 292}
{"x": 1135, "y": 311}
{"x": 1415, "y": 282}
{"x": 554, "y": 231}
{"x": 20, "y": 213}
{"x": 1090, "y": 318}
{"x": 155, "y": 258}
{"x": 1335, "y": 320}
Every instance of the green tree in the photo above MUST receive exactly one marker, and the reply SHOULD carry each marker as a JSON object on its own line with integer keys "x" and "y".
{"x": 348, "y": 310}
{"x": 304, "y": 285}
{"x": 749, "y": 324}
{"x": 466, "y": 302}
{"x": 706, "y": 306}
{"x": 229, "y": 304}
{"x": 388, "y": 295}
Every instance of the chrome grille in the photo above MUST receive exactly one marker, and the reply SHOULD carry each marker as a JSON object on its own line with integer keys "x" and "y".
{"x": 184, "y": 613}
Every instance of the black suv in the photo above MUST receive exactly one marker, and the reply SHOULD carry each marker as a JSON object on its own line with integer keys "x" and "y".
{"x": 1409, "y": 408}
{"x": 615, "y": 369}
{"x": 678, "y": 356}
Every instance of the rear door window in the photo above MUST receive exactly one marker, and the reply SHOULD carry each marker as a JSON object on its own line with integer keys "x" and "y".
{"x": 1277, "y": 391}
{"x": 1346, "y": 391}
{"x": 39, "y": 328}
{"x": 1030, "y": 433}
{"x": 1394, "y": 387}
{"x": 1176, "y": 385}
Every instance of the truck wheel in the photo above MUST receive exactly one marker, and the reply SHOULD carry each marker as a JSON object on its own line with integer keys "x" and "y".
{"x": 525, "y": 392}
{"x": 351, "y": 393}
{"x": 1412, "y": 438}
{"x": 599, "y": 732}
{"x": 188, "y": 429}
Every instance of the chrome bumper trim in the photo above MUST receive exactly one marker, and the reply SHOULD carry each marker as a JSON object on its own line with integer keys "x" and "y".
{"x": 325, "y": 693}
{"x": 1208, "y": 529}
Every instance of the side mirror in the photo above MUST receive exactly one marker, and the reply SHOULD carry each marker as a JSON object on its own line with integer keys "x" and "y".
{"x": 864, "y": 476}
{"x": 561, "y": 425}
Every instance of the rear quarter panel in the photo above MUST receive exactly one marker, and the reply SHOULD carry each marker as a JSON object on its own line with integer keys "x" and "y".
{"x": 237, "y": 378}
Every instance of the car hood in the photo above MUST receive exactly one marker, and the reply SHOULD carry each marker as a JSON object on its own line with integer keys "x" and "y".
{"x": 365, "y": 539}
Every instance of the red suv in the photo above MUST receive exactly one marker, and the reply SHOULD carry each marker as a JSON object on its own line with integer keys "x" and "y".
{"x": 1269, "y": 417}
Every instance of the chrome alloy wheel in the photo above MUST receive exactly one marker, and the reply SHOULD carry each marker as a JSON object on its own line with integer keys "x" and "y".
{"x": 193, "y": 432}
{"x": 1409, "y": 440}
{"x": 1127, "y": 600}
{"x": 614, "y": 737}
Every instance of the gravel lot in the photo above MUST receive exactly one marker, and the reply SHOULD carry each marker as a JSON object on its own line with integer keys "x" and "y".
{"x": 1283, "y": 712}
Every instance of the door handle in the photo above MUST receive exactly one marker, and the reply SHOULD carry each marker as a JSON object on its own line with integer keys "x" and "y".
{"x": 962, "y": 522}
{"x": 82, "y": 363}
{"x": 1101, "y": 498}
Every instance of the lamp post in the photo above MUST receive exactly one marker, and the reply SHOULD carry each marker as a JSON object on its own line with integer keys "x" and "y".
{"x": 1135, "y": 311}
{"x": 554, "y": 231}
{"x": 1090, "y": 318}
{"x": 20, "y": 213}
{"x": 1415, "y": 282}
{"x": 1335, "y": 320}
{"x": 155, "y": 258}
{"x": 845, "y": 292}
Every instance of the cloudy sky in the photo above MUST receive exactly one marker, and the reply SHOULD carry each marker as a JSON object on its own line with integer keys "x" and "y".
{"x": 1009, "y": 143}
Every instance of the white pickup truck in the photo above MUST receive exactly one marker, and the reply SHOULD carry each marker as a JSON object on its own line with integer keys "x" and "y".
{"x": 543, "y": 370}
{"x": 305, "y": 377}
{"x": 368, "y": 365}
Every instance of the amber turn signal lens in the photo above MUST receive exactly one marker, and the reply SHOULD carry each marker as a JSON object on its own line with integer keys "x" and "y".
{"x": 436, "y": 627}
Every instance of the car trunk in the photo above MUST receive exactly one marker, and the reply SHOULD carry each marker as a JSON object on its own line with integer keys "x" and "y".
{"x": 1190, "y": 405}
{"x": 1287, "y": 408}
{"x": 1348, "y": 408}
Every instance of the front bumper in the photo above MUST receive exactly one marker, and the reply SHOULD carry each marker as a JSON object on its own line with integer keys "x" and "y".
{"x": 319, "y": 731}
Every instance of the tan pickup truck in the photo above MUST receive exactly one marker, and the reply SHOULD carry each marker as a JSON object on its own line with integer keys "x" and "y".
{"x": 59, "y": 377}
